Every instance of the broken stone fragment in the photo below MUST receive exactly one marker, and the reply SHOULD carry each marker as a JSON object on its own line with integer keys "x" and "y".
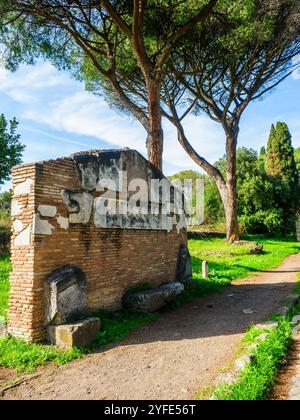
{"x": 283, "y": 311}
{"x": 16, "y": 208}
{"x": 66, "y": 295}
{"x": 257, "y": 249}
{"x": 153, "y": 299}
{"x": 79, "y": 205}
{"x": 77, "y": 334}
{"x": 63, "y": 222}
{"x": 269, "y": 325}
{"x": 225, "y": 379}
{"x": 296, "y": 319}
{"x": 24, "y": 237}
{"x": 295, "y": 331}
{"x": 262, "y": 337}
{"x": 47, "y": 211}
{"x": 23, "y": 188}
{"x": 243, "y": 362}
{"x": 248, "y": 311}
{"x": 41, "y": 226}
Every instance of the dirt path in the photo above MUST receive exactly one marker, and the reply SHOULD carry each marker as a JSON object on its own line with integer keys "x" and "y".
{"x": 171, "y": 358}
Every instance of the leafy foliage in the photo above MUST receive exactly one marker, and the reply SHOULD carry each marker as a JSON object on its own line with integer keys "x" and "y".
{"x": 11, "y": 148}
{"x": 268, "y": 190}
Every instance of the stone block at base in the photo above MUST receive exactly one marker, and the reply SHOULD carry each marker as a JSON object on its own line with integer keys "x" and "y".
{"x": 77, "y": 334}
{"x": 153, "y": 299}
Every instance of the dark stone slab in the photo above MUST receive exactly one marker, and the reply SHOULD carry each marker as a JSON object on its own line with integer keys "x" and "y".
{"x": 153, "y": 299}
{"x": 184, "y": 273}
{"x": 66, "y": 295}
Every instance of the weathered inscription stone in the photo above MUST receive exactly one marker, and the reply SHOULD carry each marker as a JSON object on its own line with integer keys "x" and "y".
{"x": 153, "y": 299}
{"x": 66, "y": 295}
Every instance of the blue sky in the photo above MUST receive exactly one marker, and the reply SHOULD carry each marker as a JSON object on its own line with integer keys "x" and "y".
{"x": 57, "y": 117}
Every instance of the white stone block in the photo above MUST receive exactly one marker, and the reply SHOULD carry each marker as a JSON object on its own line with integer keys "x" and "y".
{"x": 41, "y": 227}
{"x": 23, "y": 238}
{"x": 47, "y": 211}
{"x": 18, "y": 226}
{"x": 23, "y": 188}
{"x": 16, "y": 208}
{"x": 63, "y": 222}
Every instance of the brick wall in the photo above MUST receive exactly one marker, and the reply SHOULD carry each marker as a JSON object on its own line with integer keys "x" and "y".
{"x": 112, "y": 259}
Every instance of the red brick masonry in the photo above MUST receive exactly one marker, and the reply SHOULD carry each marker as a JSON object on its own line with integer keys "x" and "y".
{"x": 112, "y": 259}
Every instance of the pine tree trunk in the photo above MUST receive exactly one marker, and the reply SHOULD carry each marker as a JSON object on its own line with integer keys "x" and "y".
{"x": 155, "y": 134}
{"x": 231, "y": 188}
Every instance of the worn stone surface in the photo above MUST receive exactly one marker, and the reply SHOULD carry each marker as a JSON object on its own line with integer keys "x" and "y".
{"x": 78, "y": 334}
{"x": 63, "y": 222}
{"x": 248, "y": 311}
{"x": 23, "y": 238}
{"x": 205, "y": 269}
{"x": 184, "y": 272}
{"x": 243, "y": 362}
{"x": 47, "y": 211}
{"x": 89, "y": 170}
{"x": 296, "y": 319}
{"x": 79, "y": 204}
{"x": 257, "y": 249}
{"x": 18, "y": 226}
{"x": 42, "y": 226}
{"x": 225, "y": 379}
{"x": 296, "y": 331}
{"x": 66, "y": 295}
{"x": 23, "y": 188}
{"x": 16, "y": 208}
{"x": 269, "y": 325}
{"x": 153, "y": 299}
{"x": 283, "y": 311}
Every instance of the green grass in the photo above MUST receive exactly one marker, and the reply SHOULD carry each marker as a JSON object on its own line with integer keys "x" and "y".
{"x": 228, "y": 262}
{"x": 257, "y": 380}
{"x": 5, "y": 268}
{"x": 23, "y": 357}
{"x": 232, "y": 262}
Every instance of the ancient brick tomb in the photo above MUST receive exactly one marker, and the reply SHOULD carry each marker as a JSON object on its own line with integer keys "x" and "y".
{"x": 71, "y": 258}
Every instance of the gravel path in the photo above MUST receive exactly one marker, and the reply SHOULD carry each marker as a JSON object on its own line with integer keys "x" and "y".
{"x": 174, "y": 356}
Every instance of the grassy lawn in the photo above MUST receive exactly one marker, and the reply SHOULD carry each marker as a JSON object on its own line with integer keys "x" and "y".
{"x": 226, "y": 263}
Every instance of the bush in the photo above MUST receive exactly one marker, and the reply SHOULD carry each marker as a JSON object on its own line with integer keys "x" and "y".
{"x": 263, "y": 221}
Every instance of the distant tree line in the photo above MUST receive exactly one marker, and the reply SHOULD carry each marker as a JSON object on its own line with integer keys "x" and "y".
{"x": 267, "y": 184}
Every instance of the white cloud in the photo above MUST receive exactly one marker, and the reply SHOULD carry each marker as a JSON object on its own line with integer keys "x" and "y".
{"x": 26, "y": 84}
